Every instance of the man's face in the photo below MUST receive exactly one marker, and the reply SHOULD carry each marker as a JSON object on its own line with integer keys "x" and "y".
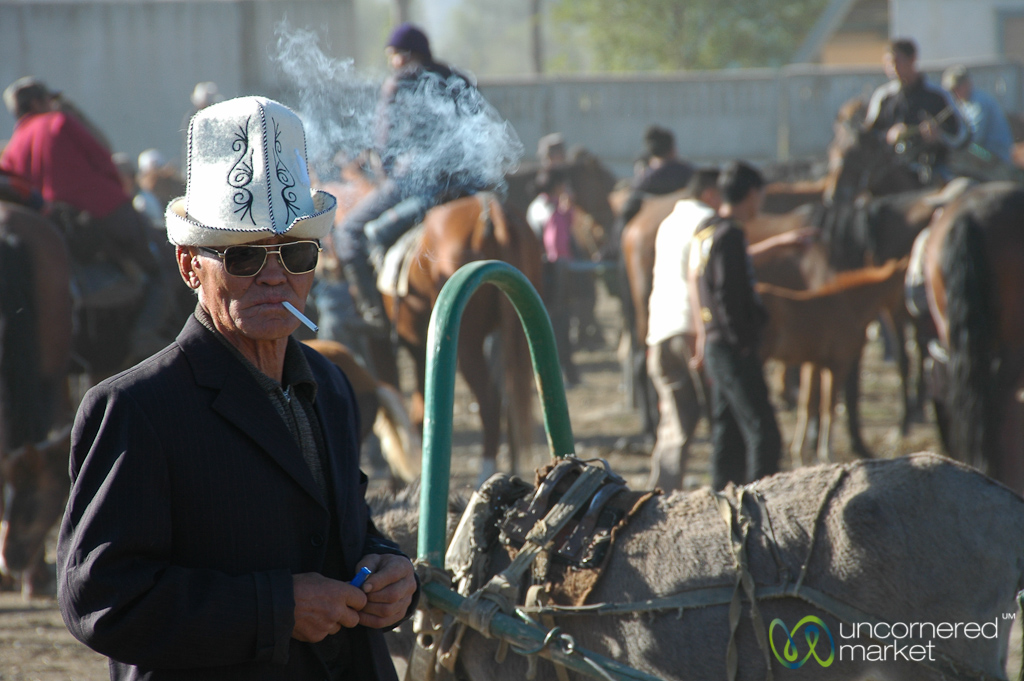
{"x": 246, "y": 310}
{"x": 900, "y": 66}
{"x": 397, "y": 58}
{"x": 963, "y": 90}
{"x": 711, "y": 197}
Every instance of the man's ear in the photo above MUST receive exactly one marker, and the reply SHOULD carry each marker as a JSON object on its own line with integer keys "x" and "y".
{"x": 187, "y": 263}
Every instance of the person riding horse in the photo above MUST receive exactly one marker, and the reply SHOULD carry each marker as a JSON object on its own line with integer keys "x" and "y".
{"x": 918, "y": 120}
{"x": 55, "y": 151}
{"x": 411, "y": 102}
{"x": 989, "y": 156}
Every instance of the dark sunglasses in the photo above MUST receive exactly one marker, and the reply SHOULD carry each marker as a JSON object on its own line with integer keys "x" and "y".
{"x": 297, "y": 257}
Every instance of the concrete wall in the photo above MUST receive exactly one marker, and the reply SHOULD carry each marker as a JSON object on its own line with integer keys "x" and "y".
{"x": 131, "y": 66}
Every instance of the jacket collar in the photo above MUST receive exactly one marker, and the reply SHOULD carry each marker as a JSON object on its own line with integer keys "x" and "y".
{"x": 241, "y": 401}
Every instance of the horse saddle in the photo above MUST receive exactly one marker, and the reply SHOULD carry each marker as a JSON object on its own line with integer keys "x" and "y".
{"x": 106, "y": 285}
{"x": 393, "y": 270}
{"x": 504, "y": 510}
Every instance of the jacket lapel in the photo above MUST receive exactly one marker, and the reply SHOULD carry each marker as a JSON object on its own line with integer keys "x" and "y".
{"x": 338, "y": 478}
{"x": 241, "y": 401}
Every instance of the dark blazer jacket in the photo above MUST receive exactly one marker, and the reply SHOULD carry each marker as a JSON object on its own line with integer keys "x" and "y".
{"x": 190, "y": 509}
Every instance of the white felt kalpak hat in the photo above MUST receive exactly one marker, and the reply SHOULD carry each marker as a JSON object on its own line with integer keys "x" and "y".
{"x": 247, "y": 178}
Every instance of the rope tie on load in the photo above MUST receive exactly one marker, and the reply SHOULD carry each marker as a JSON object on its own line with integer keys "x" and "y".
{"x": 479, "y": 609}
{"x": 428, "y": 573}
{"x": 536, "y": 595}
{"x": 833, "y": 485}
{"x": 739, "y": 526}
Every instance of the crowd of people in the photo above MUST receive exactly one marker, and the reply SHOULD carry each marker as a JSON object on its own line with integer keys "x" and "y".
{"x": 217, "y": 514}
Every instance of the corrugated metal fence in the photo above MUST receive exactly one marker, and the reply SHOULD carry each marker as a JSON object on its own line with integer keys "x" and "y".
{"x": 757, "y": 114}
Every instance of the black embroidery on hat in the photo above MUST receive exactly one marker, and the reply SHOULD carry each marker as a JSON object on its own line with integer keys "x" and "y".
{"x": 240, "y": 175}
{"x": 284, "y": 176}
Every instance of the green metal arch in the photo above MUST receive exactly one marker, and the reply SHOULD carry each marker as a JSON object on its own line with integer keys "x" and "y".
{"x": 442, "y": 344}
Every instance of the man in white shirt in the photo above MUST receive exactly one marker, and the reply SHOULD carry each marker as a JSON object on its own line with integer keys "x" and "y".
{"x": 672, "y": 336}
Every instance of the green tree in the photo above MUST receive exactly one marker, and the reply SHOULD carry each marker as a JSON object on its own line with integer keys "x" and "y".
{"x": 664, "y": 35}
{"x": 495, "y": 38}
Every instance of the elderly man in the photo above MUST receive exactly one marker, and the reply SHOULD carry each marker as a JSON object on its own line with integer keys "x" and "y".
{"x": 217, "y": 509}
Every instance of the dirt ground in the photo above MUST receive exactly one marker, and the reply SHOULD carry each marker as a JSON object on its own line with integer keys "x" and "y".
{"x": 35, "y": 646}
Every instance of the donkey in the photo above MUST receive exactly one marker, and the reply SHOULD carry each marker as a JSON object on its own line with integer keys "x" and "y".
{"x": 865, "y": 548}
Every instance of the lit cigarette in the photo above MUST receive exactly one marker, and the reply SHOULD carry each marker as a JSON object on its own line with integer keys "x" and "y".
{"x": 301, "y": 317}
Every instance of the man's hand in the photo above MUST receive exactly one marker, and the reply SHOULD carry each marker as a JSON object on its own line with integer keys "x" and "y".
{"x": 929, "y": 130}
{"x": 323, "y": 606}
{"x": 896, "y": 133}
{"x": 389, "y": 590}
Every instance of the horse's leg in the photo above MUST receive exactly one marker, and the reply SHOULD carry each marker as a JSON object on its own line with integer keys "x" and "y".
{"x": 383, "y": 357}
{"x": 852, "y": 397}
{"x": 473, "y": 366}
{"x": 802, "y": 414}
{"x": 40, "y": 578}
{"x": 519, "y": 387}
{"x": 827, "y": 405}
{"x": 417, "y": 405}
{"x": 897, "y": 318}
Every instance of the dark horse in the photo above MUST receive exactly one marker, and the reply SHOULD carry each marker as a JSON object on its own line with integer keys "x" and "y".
{"x": 35, "y": 348}
{"x": 454, "y": 234}
{"x": 861, "y": 162}
{"x": 975, "y": 285}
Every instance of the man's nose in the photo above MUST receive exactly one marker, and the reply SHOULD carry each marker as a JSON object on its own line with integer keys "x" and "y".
{"x": 273, "y": 270}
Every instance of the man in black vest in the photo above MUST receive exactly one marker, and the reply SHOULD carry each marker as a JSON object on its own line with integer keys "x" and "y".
{"x": 732, "y": 317}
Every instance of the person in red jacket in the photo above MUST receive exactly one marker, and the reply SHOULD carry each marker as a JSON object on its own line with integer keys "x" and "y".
{"x": 63, "y": 160}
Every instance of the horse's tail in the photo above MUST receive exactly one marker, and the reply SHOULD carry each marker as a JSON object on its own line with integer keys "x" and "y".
{"x": 970, "y": 310}
{"x": 400, "y": 442}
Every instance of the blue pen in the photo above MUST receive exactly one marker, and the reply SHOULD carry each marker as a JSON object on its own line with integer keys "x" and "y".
{"x": 361, "y": 576}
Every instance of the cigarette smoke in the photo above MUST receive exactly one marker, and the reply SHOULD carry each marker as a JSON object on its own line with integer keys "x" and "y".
{"x": 444, "y": 136}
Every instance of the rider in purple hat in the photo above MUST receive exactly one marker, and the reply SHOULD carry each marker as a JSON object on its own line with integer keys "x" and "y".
{"x": 414, "y": 99}
{"x": 408, "y": 38}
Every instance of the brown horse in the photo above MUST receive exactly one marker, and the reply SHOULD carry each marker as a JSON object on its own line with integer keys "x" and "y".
{"x": 823, "y": 332}
{"x": 35, "y": 348}
{"x": 454, "y": 234}
{"x": 975, "y": 285}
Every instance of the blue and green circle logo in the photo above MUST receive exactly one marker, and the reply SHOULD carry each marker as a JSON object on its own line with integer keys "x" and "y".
{"x": 812, "y": 629}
